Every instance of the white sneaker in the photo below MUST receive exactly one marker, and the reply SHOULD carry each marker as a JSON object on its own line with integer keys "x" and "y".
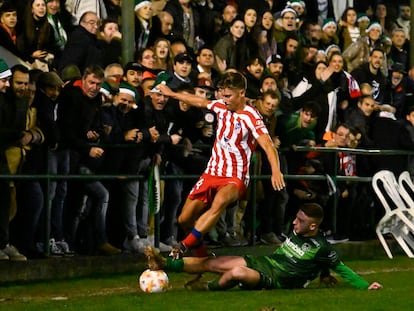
{"x": 146, "y": 242}
{"x": 64, "y": 246}
{"x": 134, "y": 246}
{"x": 54, "y": 249}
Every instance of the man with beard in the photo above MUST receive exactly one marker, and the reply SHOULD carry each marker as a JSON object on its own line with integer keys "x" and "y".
{"x": 370, "y": 73}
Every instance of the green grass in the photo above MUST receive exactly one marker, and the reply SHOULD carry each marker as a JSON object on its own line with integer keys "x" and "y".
{"x": 120, "y": 292}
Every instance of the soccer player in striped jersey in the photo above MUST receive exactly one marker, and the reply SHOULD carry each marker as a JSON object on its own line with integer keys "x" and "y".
{"x": 239, "y": 129}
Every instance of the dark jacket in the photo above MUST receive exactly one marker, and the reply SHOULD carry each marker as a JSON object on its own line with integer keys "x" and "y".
{"x": 80, "y": 114}
{"x": 82, "y": 49}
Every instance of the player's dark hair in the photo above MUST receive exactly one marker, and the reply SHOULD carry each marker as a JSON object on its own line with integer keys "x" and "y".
{"x": 313, "y": 210}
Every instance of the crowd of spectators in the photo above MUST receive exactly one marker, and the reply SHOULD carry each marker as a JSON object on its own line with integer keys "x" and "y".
{"x": 321, "y": 73}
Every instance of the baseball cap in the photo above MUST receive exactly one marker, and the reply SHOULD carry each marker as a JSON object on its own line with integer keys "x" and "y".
{"x": 205, "y": 83}
{"x": 274, "y": 59}
{"x": 182, "y": 57}
{"x": 133, "y": 66}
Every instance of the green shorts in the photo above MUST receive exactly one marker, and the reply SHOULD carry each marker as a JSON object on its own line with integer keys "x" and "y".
{"x": 268, "y": 273}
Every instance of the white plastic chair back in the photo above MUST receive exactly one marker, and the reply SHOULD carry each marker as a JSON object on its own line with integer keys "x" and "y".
{"x": 406, "y": 188}
{"x": 397, "y": 219}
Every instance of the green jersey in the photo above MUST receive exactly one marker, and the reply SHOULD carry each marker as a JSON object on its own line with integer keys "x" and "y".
{"x": 300, "y": 259}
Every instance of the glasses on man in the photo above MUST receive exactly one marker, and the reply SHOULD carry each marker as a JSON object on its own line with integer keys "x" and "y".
{"x": 93, "y": 23}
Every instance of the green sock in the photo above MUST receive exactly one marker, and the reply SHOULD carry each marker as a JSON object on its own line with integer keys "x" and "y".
{"x": 213, "y": 285}
{"x": 175, "y": 265}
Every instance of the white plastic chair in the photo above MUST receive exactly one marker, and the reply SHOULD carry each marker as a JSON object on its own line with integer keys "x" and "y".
{"x": 398, "y": 218}
{"x": 406, "y": 188}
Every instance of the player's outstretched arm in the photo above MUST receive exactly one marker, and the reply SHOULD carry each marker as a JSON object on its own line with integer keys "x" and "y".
{"x": 375, "y": 286}
{"x": 190, "y": 99}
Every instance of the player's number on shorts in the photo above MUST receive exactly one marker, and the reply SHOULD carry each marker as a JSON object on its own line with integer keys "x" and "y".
{"x": 199, "y": 183}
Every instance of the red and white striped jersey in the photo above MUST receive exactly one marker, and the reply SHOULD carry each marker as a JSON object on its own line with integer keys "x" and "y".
{"x": 235, "y": 141}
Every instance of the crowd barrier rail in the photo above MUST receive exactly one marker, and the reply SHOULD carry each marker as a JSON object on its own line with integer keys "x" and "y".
{"x": 253, "y": 179}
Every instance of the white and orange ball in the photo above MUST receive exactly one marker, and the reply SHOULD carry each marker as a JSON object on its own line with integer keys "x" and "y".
{"x": 154, "y": 281}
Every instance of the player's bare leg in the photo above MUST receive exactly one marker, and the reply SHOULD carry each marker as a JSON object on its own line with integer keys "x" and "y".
{"x": 223, "y": 198}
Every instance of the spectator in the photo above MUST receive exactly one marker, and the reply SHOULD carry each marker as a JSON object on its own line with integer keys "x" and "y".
{"x": 226, "y": 49}
{"x": 274, "y": 65}
{"x": 289, "y": 53}
{"x": 205, "y": 65}
{"x": 8, "y": 136}
{"x": 24, "y": 158}
{"x": 404, "y": 19}
{"x": 287, "y": 26}
{"x": 394, "y": 93}
{"x": 148, "y": 79}
{"x": 360, "y": 118}
{"x": 143, "y": 25}
{"x": 113, "y": 77}
{"x": 253, "y": 73}
{"x": 146, "y": 58}
{"x": 133, "y": 75}
{"x": 125, "y": 119}
{"x": 82, "y": 126}
{"x": 186, "y": 21}
{"x": 272, "y": 204}
{"x": 162, "y": 27}
{"x": 297, "y": 129}
{"x": 162, "y": 54}
{"x": 228, "y": 15}
{"x": 8, "y": 22}
{"x": 181, "y": 70}
{"x": 359, "y": 51}
{"x": 266, "y": 41}
{"x": 381, "y": 15}
{"x": 322, "y": 90}
{"x": 158, "y": 118}
{"x": 398, "y": 52}
{"x": 363, "y": 23}
{"x": 83, "y": 48}
{"x": 110, "y": 42}
{"x": 59, "y": 27}
{"x": 252, "y": 31}
{"x": 370, "y": 72}
{"x": 18, "y": 95}
{"x": 348, "y": 30}
{"x": 46, "y": 102}
{"x": 329, "y": 35}
{"x": 178, "y": 46}
{"x": 36, "y": 39}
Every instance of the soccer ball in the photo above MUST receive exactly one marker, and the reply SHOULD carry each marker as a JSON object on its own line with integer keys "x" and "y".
{"x": 153, "y": 281}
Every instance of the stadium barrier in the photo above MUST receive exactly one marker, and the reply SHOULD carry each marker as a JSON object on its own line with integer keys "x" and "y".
{"x": 253, "y": 179}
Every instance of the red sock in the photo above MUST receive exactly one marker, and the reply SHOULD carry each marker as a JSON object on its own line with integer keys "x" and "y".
{"x": 192, "y": 239}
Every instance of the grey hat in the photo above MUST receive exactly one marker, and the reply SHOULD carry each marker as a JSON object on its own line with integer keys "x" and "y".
{"x": 49, "y": 79}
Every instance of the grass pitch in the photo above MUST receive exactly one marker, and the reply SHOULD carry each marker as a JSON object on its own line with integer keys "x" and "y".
{"x": 120, "y": 292}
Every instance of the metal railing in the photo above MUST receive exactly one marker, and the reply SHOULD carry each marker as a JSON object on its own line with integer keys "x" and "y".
{"x": 254, "y": 178}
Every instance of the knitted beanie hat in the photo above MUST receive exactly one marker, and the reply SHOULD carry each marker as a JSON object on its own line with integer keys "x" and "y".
{"x": 4, "y": 70}
{"x": 140, "y": 3}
